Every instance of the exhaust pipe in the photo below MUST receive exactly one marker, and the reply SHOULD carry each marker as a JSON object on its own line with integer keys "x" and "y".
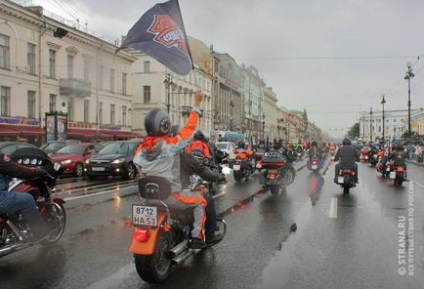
{"x": 181, "y": 257}
{"x": 12, "y": 248}
{"x": 178, "y": 249}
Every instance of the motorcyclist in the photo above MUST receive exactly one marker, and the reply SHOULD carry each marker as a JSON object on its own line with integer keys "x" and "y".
{"x": 398, "y": 156}
{"x": 199, "y": 142}
{"x": 157, "y": 154}
{"x": 189, "y": 164}
{"x": 348, "y": 157}
{"x": 24, "y": 203}
{"x": 315, "y": 151}
{"x": 243, "y": 153}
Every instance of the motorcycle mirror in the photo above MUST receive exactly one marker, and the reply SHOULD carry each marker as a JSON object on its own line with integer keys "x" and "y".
{"x": 226, "y": 170}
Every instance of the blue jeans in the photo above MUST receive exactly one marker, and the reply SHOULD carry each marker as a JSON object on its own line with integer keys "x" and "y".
{"x": 210, "y": 225}
{"x": 12, "y": 203}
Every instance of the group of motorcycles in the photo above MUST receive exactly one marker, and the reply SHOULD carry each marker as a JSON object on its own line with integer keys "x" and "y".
{"x": 387, "y": 168}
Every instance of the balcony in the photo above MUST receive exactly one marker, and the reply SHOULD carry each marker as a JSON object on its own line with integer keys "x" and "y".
{"x": 78, "y": 87}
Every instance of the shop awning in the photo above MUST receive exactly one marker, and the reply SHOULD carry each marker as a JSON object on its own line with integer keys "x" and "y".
{"x": 122, "y": 134}
{"x": 6, "y": 131}
{"x": 25, "y": 130}
{"x": 88, "y": 133}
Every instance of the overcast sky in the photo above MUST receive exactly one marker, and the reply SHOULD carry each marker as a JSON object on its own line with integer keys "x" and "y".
{"x": 333, "y": 58}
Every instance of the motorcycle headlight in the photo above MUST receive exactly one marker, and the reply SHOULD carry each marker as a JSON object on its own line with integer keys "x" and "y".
{"x": 87, "y": 161}
{"x": 66, "y": 162}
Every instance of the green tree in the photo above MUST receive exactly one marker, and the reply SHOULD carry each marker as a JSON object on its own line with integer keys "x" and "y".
{"x": 354, "y": 131}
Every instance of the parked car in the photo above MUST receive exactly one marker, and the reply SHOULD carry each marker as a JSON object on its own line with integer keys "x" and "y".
{"x": 228, "y": 147}
{"x": 115, "y": 159}
{"x": 54, "y": 146}
{"x": 8, "y": 147}
{"x": 73, "y": 156}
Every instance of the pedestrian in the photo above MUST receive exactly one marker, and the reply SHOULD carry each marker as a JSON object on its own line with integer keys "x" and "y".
{"x": 419, "y": 152}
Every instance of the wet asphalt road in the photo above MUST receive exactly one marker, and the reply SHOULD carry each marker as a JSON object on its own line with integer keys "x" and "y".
{"x": 342, "y": 241}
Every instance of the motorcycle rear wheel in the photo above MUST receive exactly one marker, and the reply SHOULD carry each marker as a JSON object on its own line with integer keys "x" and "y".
{"x": 57, "y": 218}
{"x": 155, "y": 268}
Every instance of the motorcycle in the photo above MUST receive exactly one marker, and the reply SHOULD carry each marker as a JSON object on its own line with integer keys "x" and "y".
{"x": 346, "y": 179}
{"x": 384, "y": 168}
{"x": 242, "y": 169}
{"x": 277, "y": 172}
{"x": 398, "y": 175}
{"x": 15, "y": 234}
{"x": 374, "y": 159}
{"x": 162, "y": 231}
{"x": 314, "y": 164}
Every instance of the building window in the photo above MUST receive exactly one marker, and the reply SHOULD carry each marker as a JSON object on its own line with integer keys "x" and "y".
{"x": 70, "y": 66}
{"x": 86, "y": 111}
{"x": 52, "y": 63}
{"x": 146, "y": 66}
{"x": 112, "y": 114}
{"x": 31, "y": 104}
{"x": 100, "y": 112}
{"x": 5, "y": 101}
{"x": 112, "y": 80}
{"x": 52, "y": 102}
{"x": 146, "y": 94}
{"x": 4, "y": 51}
{"x": 124, "y": 115}
{"x": 86, "y": 69}
{"x": 71, "y": 109}
{"x": 31, "y": 58}
{"x": 124, "y": 83}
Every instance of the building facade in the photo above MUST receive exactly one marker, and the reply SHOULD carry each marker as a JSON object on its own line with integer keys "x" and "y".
{"x": 46, "y": 67}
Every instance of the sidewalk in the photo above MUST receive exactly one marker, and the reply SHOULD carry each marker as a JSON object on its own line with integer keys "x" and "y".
{"x": 415, "y": 163}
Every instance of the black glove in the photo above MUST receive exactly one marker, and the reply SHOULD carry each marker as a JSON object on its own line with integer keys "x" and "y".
{"x": 45, "y": 176}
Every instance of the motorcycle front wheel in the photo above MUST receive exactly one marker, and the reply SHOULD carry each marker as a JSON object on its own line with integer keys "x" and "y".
{"x": 56, "y": 219}
{"x": 155, "y": 268}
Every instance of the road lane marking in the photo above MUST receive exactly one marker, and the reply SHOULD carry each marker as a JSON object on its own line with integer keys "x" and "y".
{"x": 333, "y": 209}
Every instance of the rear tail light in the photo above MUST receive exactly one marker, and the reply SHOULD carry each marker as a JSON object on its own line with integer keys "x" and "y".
{"x": 141, "y": 235}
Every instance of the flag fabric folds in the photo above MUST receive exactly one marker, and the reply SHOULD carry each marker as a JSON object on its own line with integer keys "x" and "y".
{"x": 160, "y": 33}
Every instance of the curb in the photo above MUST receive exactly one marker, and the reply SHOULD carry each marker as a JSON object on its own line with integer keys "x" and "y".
{"x": 415, "y": 163}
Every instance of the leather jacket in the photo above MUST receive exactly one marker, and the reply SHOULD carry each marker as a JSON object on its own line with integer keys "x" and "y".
{"x": 347, "y": 155}
{"x": 190, "y": 165}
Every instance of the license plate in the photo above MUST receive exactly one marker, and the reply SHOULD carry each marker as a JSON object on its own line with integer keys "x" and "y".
{"x": 236, "y": 167}
{"x": 145, "y": 215}
{"x": 340, "y": 180}
{"x": 314, "y": 167}
{"x": 392, "y": 175}
{"x": 98, "y": 169}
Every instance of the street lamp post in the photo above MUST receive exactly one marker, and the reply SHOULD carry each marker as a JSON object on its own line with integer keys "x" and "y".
{"x": 370, "y": 124}
{"x": 383, "y": 101}
{"x": 408, "y": 77}
{"x": 168, "y": 82}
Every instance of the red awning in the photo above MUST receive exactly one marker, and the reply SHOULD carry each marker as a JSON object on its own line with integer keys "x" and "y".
{"x": 6, "y": 131}
{"x": 122, "y": 134}
{"x": 81, "y": 132}
{"x": 25, "y": 130}
{"x": 87, "y": 133}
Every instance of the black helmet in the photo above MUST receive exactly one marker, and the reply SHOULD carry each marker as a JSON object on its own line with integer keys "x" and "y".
{"x": 346, "y": 141}
{"x": 157, "y": 122}
{"x": 198, "y": 135}
{"x": 314, "y": 143}
{"x": 241, "y": 145}
{"x": 175, "y": 129}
